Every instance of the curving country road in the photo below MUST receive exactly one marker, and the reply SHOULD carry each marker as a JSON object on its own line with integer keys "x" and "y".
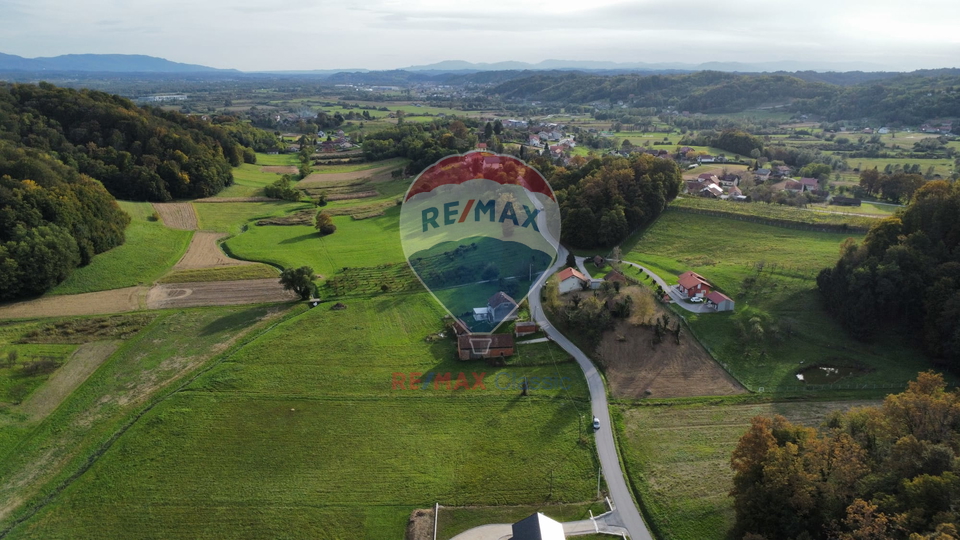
{"x": 606, "y": 447}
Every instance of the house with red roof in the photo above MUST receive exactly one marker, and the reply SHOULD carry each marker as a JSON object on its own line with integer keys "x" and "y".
{"x": 571, "y": 279}
{"x": 692, "y": 284}
{"x": 810, "y": 184}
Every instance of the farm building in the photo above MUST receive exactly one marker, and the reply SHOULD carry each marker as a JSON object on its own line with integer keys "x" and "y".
{"x": 538, "y": 527}
{"x": 616, "y": 276}
{"x": 692, "y": 284}
{"x": 475, "y": 346}
{"x": 719, "y": 301}
{"x": 571, "y": 279}
{"x": 525, "y": 328}
{"x": 500, "y": 307}
{"x": 460, "y": 328}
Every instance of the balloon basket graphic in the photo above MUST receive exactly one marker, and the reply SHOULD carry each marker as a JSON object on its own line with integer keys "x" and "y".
{"x": 480, "y": 345}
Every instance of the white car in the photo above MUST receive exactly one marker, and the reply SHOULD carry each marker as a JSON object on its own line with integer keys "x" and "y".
{"x": 696, "y": 299}
{"x": 596, "y": 423}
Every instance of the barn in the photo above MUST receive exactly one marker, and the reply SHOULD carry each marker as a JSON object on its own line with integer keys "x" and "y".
{"x": 475, "y": 346}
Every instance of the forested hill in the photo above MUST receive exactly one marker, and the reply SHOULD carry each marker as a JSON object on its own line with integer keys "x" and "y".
{"x": 138, "y": 153}
{"x": 705, "y": 91}
{"x": 909, "y": 99}
{"x": 56, "y": 143}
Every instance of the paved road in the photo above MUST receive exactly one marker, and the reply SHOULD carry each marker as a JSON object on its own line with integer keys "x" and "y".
{"x": 626, "y": 510}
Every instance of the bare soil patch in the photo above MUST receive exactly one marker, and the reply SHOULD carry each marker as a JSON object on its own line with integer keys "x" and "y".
{"x": 420, "y": 525}
{"x": 177, "y": 215}
{"x": 85, "y": 360}
{"x": 302, "y": 217}
{"x": 320, "y": 178}
{"x": 217, "y": 293}
{"x": 205, "y": 252}
{"x": 280, "y": 169}
{"x": 634, "y": 366}
{"x": 95, "y": 303}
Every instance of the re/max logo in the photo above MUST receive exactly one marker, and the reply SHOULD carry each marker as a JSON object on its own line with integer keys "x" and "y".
{"x": 489, "y": 208}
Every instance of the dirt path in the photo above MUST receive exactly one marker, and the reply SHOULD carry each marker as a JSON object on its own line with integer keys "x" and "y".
{"x": 321, "y": 178}
{"x": 84, "y": 361}
{"x": 95, "y": 303}
{"x": 205, "y": 252}
{"x": 217, "y": 293}
{"x": 177, "y": 215}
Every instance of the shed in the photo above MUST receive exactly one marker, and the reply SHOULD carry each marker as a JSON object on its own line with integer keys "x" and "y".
{"x": 525, "y": 328}
{"x": 719, "y": 301}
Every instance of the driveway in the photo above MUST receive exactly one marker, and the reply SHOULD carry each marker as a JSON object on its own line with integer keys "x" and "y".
{"x": 607, "y": 523}
{"x": 675, "y": 295}
{"x": 625, "y": 511}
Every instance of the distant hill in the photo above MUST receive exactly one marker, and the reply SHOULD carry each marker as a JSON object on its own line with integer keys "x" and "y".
{"x": 107, "y": 63}
{"x": 661, "y": 67}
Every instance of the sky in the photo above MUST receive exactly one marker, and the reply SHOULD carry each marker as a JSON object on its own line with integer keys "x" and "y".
{"x": 270, "y": 35}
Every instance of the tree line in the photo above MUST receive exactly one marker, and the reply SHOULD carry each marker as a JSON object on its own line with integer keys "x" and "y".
{"x": 604, "y": 200}
{"x": 904, "y": 275}
{"x": 422, "y": 143}
{"x": 872, "y": 473}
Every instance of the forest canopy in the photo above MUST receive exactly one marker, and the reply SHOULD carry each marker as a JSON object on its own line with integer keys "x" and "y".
{"x": 606, "y": 199}
{"x": 52, "y": 219}
{"x": 888, "y": 472}
{"x": 137, "y": 153}
{"x": 905, "y": 274}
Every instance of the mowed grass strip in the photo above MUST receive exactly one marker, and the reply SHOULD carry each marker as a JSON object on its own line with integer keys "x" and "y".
{"x": 226, "y": 273}
{"x": 305, "y": 425}
{"x": 727, "y": 252}
{"x": 150, "y": 250}
{"x": 678, "y": 459}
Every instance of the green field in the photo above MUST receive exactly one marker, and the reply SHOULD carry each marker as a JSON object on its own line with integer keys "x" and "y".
{"x": 150, "y": 250}
{"x": 37, "y": 457}
{"x": 225, "y": 273}
{"x": 303, "y": 431}
{"x": 231, "y": 217}
{"x": 367, "y": 242}
{"x": 249, "y": 180}
{"x": 353, "y": 167}
{"x": 678, "y": 459}
{"x": 798, "y": 333}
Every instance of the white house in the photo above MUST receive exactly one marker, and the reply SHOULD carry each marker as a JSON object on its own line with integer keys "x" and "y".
{"x": 571, "y": 280}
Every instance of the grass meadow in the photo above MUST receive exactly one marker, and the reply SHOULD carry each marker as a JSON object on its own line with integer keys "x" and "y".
{"x": 150, "y": 250}
{"x": 231, "y": 217}
{"x": 727, "y": 253}
{"x": 37, "y": 458}
{"x": 366, "y": 242}
{"x": 302, "y": 430}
